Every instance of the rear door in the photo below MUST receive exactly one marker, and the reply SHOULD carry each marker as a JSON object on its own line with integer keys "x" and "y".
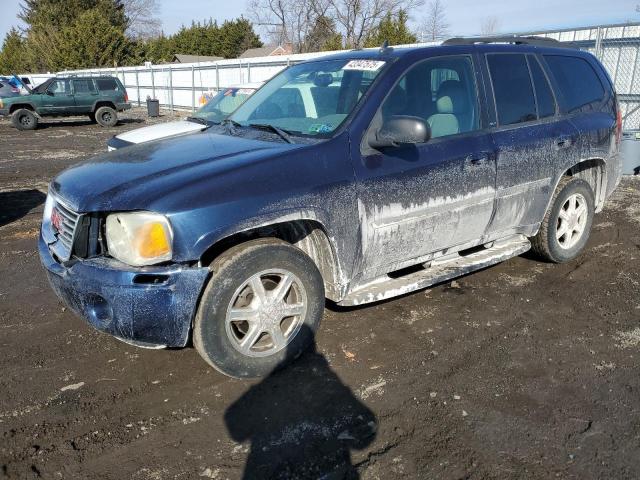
{"x": 421, "y": 199}
{"x": 533, "y": 140}
{"x": 85, "y": 94}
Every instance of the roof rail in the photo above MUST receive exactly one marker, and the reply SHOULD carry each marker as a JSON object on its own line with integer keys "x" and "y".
{"x": 515, "y": 39}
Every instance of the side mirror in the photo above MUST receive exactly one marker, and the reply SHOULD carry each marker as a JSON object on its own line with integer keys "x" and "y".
{"x": 49, "y": 92}
{"x": 401, "y": 130}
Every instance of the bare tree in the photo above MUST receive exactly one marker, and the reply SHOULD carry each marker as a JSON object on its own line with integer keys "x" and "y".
{"x": 434, "y": 24}
{"x": 356, "y": 18}
{"x": 143, "y": 18}
{"x": 287, "y": 21}
{"x": 490, "y": 25}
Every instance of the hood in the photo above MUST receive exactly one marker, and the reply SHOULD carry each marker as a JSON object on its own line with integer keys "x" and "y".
{"x": 141, "y": 176}
{"x": 161, "y": 130}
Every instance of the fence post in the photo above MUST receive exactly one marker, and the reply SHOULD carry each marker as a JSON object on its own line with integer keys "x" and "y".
{"x": 217, "y": 79}
{"x": 193, "y": 89}
{"x": 138, "y": 87}
{"x": 248, "y": 72}
{"x": 171, "y": 89}
{"x": 153, "y": 84}
{"x": 599, "y": 43}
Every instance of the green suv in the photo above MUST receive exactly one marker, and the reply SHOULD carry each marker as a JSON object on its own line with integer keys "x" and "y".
{"x": 98, "y": 97}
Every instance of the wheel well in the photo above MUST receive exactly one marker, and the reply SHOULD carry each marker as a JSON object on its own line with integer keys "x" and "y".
{"x": 103, "y": 104}
{"x": 592, "y": 171}
{"x": 308, "y": 235}
{"x": 18, "y": 106}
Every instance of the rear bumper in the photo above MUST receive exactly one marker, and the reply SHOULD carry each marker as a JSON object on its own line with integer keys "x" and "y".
{"x": 123, "y": 106}
{"x": 151, "y": 305}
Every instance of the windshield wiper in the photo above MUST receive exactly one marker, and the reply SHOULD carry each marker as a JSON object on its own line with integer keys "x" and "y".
{"x": 272, "y": 128}
{"x": 197, "y": 120}
{"x": 228, "y": 121}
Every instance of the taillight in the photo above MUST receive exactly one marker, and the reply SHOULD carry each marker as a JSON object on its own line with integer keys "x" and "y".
{"x": 126, "y": 97}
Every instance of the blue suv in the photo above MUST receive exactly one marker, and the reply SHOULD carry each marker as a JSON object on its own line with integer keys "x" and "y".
{"x": 355, "y": 178}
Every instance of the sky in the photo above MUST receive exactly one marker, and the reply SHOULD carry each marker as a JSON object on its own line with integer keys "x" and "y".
{"x": 464, "y": 16}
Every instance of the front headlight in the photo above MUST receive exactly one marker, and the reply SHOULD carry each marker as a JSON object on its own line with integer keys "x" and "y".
{"x": 139, "y": 238}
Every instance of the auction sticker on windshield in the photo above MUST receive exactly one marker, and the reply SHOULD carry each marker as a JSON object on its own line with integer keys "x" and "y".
{"x": 365, "y": 65}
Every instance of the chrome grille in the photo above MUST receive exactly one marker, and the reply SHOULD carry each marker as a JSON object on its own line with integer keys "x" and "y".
{"x": 59, "y": 226}
{"x": 68, "y": 225}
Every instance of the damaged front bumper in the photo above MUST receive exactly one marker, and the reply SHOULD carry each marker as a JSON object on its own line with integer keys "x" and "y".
{"x": 149, "y": 306}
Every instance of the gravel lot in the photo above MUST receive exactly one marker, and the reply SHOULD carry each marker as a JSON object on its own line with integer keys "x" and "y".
{"x": 523, "y": 370}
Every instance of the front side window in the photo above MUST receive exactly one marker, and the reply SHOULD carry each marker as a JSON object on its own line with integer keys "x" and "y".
{"x": 440, "y": 91}
{"x": 223, "y": 103}
{"x": 312, "y": 98}
{"x": 60, "y": 87}
{"x": 512, "y": 89}
{"x": 578, "y": 82}
{"x": 83, "y": 85}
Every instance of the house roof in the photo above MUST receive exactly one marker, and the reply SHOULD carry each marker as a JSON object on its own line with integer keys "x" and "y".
{"x": 182, "y": 58}
{"x": 265, "y": 52}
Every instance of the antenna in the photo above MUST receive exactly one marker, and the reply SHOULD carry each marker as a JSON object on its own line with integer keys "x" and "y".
{"x": 385, "y": 48}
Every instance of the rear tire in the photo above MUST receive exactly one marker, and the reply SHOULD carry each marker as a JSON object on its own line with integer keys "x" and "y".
{"x": 106, "y": 116}
{"x": 259, "y": 310}
{"x": 24, "y": 119}
{"x": 565, "y": 230}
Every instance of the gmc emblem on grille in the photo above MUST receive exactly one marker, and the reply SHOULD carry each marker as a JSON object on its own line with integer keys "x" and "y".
{"x": 56, "y": 220}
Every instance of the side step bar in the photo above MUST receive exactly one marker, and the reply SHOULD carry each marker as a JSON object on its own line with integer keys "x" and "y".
{"x": 438, "y": 271}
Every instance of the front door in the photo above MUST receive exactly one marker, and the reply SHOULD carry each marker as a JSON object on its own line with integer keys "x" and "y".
{"x": 422, "y": 199}
{"x": 85, "y": 95}
{"x": 58, "y": 99}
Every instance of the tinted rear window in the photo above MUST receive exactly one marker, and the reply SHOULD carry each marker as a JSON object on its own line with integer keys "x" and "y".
{"x": 512, "y": 88}
{"x": 106, "y": 84}
{"x": 578, "y": 82}
{"x": 544, "y": 95}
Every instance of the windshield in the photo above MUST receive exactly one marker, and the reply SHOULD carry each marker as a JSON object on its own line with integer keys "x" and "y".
{"x": 223, "y": 103}
{"x": 312, "y": 98}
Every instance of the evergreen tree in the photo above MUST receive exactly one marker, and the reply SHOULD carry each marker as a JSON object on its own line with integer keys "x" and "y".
{"x": 323, "y": 36}
{"x": 393, "y": 30}
{"x": 12, "y": 58}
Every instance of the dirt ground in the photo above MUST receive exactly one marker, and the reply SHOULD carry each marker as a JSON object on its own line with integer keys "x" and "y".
{"x": 523, "y": 370}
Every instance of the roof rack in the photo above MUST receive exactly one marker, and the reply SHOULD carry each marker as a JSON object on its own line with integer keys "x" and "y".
{"x": 514, "y": 39}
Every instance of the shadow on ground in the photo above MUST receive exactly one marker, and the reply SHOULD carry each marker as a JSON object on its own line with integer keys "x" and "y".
{"x": 301, "y": 422}
{"x": 15, "y": 205}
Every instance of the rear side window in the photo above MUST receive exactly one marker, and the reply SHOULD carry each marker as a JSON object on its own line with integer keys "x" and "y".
{"x": 106, "y": 84}
{"x": 578, "y": 82}
{"x": 544, "y": 95}
{"x": 83, "y": 85}
{"x": 515, "y": 101}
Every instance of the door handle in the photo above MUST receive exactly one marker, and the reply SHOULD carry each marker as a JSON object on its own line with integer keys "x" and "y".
{"x": 477, "y": 159}
{"x": 564, "y": 142}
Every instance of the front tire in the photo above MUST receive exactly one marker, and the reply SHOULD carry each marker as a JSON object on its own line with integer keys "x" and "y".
{"x": 259, "y": 310}
{"x": 106, "y": 116}
{"x": 565, "y": 230}
{"x": 24, "y": 119}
